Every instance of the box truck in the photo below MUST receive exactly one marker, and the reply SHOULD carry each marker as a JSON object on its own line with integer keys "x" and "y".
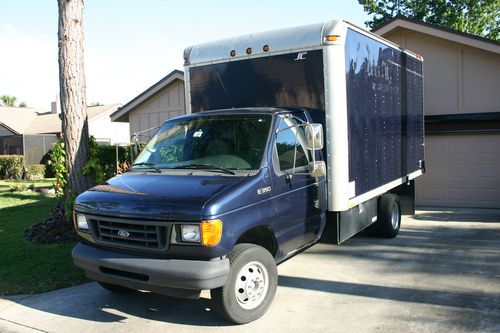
{"x": 291, "y": 137}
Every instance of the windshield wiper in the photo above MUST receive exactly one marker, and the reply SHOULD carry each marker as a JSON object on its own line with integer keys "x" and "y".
{"x": 206, "y": 167}
{"x": 151, "y": 165}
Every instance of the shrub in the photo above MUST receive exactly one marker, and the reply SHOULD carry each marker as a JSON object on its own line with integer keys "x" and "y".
{"x": 36, "y": 171}
{"x": 49, "y": 167}
{"x": 11, "y": 166}
{"x": 17, "y": 187}
{"x": 102, "y": 161}
{"x": 58, "y": 161}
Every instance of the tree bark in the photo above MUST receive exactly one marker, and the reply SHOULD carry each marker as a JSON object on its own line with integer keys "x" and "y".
{"x": 73, "y": 95}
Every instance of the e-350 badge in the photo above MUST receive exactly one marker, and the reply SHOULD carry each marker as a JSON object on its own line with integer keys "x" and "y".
{"x": 264, "y": 190}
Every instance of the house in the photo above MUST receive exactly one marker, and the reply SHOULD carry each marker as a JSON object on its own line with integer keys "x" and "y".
{"x": 32, "y": 132}
{"x": 462, "y": 113}
{"x": 103, "y": 129}
{"x": 160, "y": 102}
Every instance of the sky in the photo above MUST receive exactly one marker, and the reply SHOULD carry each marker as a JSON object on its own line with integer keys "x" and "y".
{"x": 130, "y": 44}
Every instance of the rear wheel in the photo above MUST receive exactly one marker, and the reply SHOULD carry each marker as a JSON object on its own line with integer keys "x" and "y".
{"x": 114, "y": 288}
{"x": 389, "y": 215}
{"x": 251, "y": 284}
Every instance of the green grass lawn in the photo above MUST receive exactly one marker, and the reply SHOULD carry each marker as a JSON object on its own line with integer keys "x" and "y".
{"x": 25, "y": 267}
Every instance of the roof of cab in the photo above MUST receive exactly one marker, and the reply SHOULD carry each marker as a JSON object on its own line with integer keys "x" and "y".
{"x": 241, "y": 111}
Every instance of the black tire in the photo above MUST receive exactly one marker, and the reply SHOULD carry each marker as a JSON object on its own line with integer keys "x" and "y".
{"x": 252, "y": 268}
{"x": 114, "y": 288}
{"x": 388, "y": 215}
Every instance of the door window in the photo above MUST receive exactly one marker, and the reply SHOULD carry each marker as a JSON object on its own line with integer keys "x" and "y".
{"x": 291, "y": 145}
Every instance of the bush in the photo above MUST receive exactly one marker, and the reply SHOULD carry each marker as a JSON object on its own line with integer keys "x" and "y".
{"x": 11, "y": 166}
{"x": 106, "y": 154}
{"x": 36, "y": 171}
{"x": 17, "y": 187}
{"x": 58, "y": 162}
{"x": 49, "y": 167}
{"x": 102, "y": 162}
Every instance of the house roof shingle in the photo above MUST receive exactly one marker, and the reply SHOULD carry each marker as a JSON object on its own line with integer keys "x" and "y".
{"x": 35, "y": 121}
{"x": 399, "y": 21}
{"x": 18, "y": 119}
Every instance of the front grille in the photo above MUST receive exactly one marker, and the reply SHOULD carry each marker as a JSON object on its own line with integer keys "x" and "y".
{"x": 133, "y": 234}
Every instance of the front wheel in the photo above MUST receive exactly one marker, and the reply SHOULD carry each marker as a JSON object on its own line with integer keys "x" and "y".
{"x": 251, "y": 284}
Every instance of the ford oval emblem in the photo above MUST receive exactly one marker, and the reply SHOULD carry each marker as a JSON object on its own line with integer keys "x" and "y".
{"x": 123, "y": 233}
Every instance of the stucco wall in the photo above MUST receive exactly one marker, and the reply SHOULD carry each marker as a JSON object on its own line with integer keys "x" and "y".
{"x": 458, "y": 78}
{"x": 102, "y": 128}
{"x": 165, "y": 104}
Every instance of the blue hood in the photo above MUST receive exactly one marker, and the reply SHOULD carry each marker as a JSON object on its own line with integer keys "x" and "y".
{"x": 154, "y": 196}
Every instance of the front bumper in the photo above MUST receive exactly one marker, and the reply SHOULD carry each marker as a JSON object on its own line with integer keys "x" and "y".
{"x": 181, "y": 278}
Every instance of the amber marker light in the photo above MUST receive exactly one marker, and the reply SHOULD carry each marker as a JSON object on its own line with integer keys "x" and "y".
{"x": 265, "y": 48}
{"x": 232, "y": 53}
{"x": 331, "y": 38}
{"x": 211, "y": 232}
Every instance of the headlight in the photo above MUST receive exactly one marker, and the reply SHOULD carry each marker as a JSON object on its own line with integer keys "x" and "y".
{"x": 81, "y": 222}
{"x": 207, "y": 233}
{"x": 190, "y": 233}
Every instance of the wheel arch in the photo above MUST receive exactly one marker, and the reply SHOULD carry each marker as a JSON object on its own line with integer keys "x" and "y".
{"x": 261, "y": 235}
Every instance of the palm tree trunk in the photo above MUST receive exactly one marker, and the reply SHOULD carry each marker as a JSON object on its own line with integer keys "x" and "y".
{"x": 73, "y": 95}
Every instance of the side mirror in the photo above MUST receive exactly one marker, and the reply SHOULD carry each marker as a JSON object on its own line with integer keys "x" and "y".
{"x": 317, "y": 168}
{"x": 314, "y": 136}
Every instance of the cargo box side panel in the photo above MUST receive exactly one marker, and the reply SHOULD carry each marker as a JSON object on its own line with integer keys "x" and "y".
{"x": 415, "y": 114}
{"x": 374, "y": 104}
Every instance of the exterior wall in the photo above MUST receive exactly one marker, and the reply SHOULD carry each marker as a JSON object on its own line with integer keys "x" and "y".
{"x": 165, "y": 104}
{"x": 457, "y": 78}
{"x": 106, "y": 131}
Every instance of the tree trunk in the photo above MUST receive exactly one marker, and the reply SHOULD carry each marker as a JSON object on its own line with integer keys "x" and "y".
{"x": 73, "y": 95}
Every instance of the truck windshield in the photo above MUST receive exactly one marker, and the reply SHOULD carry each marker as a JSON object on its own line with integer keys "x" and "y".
{"x": 234, "y": 142}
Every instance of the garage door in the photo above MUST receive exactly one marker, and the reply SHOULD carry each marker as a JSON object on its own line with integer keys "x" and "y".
{"x": 462, "y": 171}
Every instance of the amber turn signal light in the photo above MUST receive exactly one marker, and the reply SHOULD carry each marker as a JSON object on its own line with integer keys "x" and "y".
{"x": 211, "y": 232}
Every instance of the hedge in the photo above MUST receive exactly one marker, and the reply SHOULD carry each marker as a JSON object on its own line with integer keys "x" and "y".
{"x": 107, "y": 156}
{"x": 36, "y": 171}
{"x": 11, "y": 166}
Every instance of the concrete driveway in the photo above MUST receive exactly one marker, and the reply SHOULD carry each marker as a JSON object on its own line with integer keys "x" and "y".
{"x": 441, "y": 274}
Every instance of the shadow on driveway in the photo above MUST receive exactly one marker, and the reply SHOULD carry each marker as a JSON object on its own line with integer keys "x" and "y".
{"x": 465, "y": 258}
{"x": 459, "y": 215}
{"x": 464, "y": 300}
{"x": 90, "y": 302}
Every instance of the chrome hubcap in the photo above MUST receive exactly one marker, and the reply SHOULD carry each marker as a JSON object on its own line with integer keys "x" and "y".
{"x": 395, "y": 216}
{"x": 251, "y": 285}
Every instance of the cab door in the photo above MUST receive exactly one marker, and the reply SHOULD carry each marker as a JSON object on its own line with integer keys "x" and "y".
{"x": 296, "y": 202}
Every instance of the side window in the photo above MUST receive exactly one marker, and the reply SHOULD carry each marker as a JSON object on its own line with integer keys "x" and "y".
{"x": 290, "y": 145}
